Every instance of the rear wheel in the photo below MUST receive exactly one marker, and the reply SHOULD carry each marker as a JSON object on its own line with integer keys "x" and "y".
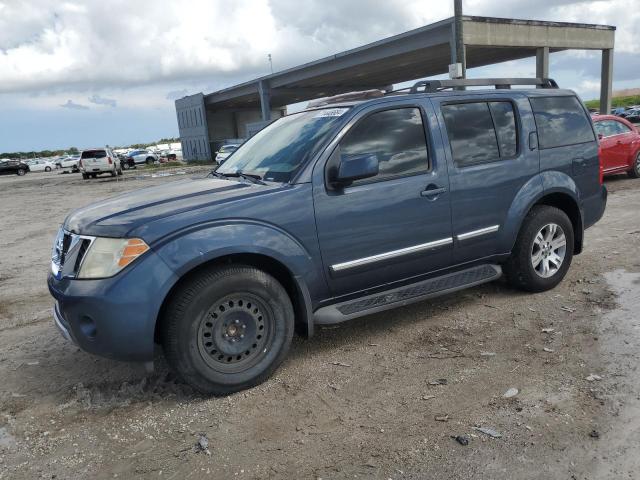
{"x": 85, "y": 176}
{"x": 47, "y": 169}
{"x": 227, "y": 329}
{"x": 635, "y": 171}
{"x": 21, "y": 172}
{"x": 149, "y": 160}
{"x": 543, "y": 251}
{"x": 94, "y": 175}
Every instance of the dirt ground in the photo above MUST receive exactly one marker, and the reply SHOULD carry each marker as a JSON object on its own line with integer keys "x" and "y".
{"x": 379, "y": 397}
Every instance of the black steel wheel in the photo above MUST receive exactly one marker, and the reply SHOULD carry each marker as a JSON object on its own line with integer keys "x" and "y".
{"x": 227, "y": 328}
{"x": 234, "y": 332}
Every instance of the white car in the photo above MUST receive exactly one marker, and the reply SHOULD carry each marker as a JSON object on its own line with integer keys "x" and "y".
{"x": 40, "y": 165}
{"x": 142, "y": 156}
{"x": 99, "y": 160}
{"x": 225, "y": 151}
{"x": 70, "y": 164}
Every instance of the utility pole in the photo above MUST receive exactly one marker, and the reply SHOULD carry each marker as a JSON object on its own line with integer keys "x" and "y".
{"x": 460, "y": 50}
{"x": 270, "y": 62}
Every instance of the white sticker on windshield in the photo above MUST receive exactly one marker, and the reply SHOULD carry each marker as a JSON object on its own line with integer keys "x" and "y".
{"x": 330, "y": 112}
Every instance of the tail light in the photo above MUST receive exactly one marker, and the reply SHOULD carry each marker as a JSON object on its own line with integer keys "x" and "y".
{"x": 110, "y": 161}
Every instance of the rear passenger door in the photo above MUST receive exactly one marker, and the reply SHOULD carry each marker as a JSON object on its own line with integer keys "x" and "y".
{"x": 489, "y": 163}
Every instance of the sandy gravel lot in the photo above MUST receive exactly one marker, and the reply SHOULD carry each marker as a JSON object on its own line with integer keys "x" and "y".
{"x": 406, "y": 382}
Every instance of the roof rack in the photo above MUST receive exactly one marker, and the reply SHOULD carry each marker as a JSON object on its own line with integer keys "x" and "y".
{"x": 431, "y": 86}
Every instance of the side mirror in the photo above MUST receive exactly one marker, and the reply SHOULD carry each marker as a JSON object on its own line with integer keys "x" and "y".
{"x": 355, "y": 167}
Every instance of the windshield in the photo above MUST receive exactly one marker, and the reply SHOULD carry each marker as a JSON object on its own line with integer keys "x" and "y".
{"x": 278, "y": 150}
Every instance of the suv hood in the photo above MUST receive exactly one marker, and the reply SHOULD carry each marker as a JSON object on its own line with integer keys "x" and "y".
{"x": 119, "y": 216}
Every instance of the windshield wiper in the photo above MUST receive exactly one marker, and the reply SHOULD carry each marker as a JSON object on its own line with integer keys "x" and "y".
{"x": 250, "y": 177}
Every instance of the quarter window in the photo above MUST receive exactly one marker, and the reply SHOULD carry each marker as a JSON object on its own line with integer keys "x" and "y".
{"x": 396, "y": 137}
{"x": 480, "y": 132}
{"x": 561, "y": 121}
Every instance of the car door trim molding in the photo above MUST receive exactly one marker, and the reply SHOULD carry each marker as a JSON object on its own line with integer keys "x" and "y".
{"x": 338, "y": 267}
{"x": 478, "y": 233}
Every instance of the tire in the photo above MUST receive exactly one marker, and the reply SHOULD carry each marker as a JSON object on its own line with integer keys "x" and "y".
{"x": 119, "y": 172}
{"x": 85, "y": 176}
{"x": 126, "y": 166}
{"x": 545, "y": 250}
{"x": 635, "y": 171}
{"x": 149, "y": 160}
{"x": 227, "y": 329}
{"x": 47, "y": 169}
{"x": 21, "y": 172}
{"x": 94, "y": 175}
{"x": 113, "y": 173}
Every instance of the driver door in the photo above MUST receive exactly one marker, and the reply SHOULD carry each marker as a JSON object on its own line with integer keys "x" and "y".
{"x": 395, "y": 225}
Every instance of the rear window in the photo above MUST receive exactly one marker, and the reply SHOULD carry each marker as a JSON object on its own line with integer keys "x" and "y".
{"x": 561, "y": 121}
{"x": 94, "y": 154}
{"x": 481, "y": 132}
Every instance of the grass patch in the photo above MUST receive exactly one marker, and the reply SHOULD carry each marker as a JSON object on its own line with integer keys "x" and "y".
{"x": 616, "y": 102}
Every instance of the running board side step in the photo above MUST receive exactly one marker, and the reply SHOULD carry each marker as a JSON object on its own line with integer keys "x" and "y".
{"x": 398, "y": 297}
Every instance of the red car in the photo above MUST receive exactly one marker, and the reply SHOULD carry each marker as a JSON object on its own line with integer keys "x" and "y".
{"x": 619, "y": 145}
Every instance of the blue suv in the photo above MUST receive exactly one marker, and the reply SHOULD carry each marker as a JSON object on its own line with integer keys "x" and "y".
{"x": 361, "y": 203}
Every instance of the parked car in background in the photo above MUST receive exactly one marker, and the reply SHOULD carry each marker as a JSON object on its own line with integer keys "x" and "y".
{"x": 632, "y": 115}
{"x": 619, "y": 145}
{"x": 13, "y": 167}
{"x": 40, "y": 165}
{"x": 70, "y": 164}
{"x": 347, "y": 208}
{"x": 125, "y": 162}
{"x": 142, "y": 156}
{"x": 99, "y": 160}
{"x": 225, "y": 152}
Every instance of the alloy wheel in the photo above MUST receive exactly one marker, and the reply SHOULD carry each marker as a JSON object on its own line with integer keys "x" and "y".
{"x": 548, "y": 250}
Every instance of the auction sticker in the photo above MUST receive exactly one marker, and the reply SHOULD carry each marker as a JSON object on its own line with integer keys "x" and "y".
{"x": 330, "y": 112}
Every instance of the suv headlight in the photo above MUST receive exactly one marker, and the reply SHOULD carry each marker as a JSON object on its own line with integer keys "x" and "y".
{"x": 107, "y": 256}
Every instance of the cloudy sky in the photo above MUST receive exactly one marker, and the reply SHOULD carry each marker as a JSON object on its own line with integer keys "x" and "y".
{"x": 94, "y": 72}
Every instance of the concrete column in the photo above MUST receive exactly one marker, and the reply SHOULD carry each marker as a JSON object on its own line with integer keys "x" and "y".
{"x": 542, "y": 62}
{"x": 265, "y": 100}
{"x": 461, "y": 54}
{"x": 606, "y": 81}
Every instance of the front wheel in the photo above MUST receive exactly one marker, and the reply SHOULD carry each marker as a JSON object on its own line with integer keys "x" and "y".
{"x": 47, "y": 169}
{"x": 227, "y": 329}
{"x": 21, "y": 172}
{"x": 543, "y": 251}
{"x": 85, "y": 176}
{"x": 149, "y": 160}
{"x": 635, "y": 170}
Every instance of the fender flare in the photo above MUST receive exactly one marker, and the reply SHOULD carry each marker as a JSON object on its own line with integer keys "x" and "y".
{"x": 186, "y": 250}
{"x": 542, "y": 185}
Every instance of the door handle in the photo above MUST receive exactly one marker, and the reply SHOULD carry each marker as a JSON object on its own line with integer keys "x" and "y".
{"x": 432, "y": 191}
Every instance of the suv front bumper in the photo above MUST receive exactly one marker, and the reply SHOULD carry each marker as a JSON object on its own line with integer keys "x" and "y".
{"x": 114, "y": 317}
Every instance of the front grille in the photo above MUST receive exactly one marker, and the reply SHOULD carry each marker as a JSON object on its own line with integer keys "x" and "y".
{"x": 69, "y": 250}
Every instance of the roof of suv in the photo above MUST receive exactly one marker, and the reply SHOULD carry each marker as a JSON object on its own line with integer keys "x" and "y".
{"x": 339, "y": 101}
